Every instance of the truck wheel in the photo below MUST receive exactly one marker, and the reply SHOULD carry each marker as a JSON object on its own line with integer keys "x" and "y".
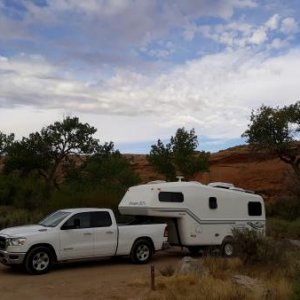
{"x": 141, "y": 252}
{"x": 228, "y": 248}
{"x": 39, "y": 260}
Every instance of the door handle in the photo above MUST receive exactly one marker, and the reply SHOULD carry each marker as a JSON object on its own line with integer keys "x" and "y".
{"x": 109, "y": 232}
{"x": 87, "y": 233}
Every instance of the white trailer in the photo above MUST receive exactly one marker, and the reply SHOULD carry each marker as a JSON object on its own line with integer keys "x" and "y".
{"x": 197, "y": 215}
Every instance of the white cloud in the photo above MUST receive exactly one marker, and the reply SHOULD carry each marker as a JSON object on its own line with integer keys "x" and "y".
{"x": 160, "y": 53}
{"x": 206, "y": 93}
{"x": 189, "y": 34}
{"x": 118, "y": 22}
{"x": 289, "y": 26}
{"x": 258, "y": 37}
{"x": 278, "y": 43}
{"x": 237, "y": 35}
{"x": 273, "y": 22}
{"x": 217, "y": 8}
{"x": 129, "y": 99}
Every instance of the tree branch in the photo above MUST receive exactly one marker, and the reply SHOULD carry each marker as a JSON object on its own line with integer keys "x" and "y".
{"x": 287, "y": 159}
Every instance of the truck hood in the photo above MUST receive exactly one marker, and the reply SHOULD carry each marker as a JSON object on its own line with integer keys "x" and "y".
{"x": 23, "y": 230}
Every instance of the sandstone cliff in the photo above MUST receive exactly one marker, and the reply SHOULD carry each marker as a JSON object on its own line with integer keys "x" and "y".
{"x": 260, "y": 172}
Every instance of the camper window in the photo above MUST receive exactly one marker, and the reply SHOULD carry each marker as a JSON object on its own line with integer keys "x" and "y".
{"x": 254, "y": 209}
{"x": 212, "y": 202}
{"x": 170, "y": 197}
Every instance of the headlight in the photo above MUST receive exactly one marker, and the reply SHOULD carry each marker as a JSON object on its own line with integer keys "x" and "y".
{"x": 16, "y": 241}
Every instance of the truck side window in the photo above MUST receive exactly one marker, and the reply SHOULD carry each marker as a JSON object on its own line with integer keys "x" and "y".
{"x": 78, "y": 221}
{"x": 170, "y": 197}
{"x": 254, "y": 209}
{"x": 101, "y": 219}
{"x": 212, "y": 203}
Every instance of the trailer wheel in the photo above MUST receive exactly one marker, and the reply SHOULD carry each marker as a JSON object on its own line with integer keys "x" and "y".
{"x": 39, "y": 260}
{"x": 141, "y": 251}
{"x": 228, "y": 247}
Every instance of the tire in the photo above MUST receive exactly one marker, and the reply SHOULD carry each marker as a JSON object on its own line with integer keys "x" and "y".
{"x": 141, "y": 252}
{"x": 228, "y": 248}
{"x": 39, "y": 260}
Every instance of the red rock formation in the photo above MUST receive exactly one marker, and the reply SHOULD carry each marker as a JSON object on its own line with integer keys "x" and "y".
{"x": 260, "y": 172}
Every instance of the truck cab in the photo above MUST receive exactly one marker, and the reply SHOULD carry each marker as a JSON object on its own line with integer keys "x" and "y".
{"x": 78, "y": 234}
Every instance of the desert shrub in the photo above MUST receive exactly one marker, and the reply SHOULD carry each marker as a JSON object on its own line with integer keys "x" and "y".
{"x": 28, "y": 192}
{"x": 287, "y": 208}
{"x": 277, "y": 228}
{"x": 294, "y": 229}
{"x": 296, "y": 290}
{"x": 220, "y": 267}
{"x": 69, "y": 196}
{"x": 252, "y": 247}
{"x": 281, "y": 228}
{"x": 100, "y": 181}
{"x": 10, "y": 216}
{"x": 193, "y": 287}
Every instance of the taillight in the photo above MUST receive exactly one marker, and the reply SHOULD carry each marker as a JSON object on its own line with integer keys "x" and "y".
{"x": 166, "y": 233}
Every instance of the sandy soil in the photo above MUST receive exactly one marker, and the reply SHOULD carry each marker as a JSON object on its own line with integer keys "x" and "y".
{"x": 107, "y": 279}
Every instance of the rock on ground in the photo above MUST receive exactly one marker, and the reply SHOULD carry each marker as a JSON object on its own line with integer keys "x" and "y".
{"x": 253, "y": 285}
{"x": 190, "y": 265}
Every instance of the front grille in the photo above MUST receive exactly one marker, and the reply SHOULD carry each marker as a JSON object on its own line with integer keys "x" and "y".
{"x": 2, "y": 243}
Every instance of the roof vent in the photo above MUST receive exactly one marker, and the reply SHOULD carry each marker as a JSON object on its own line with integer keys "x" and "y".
{"x": 156, "y": 181}
{"x": 223, "y": 185}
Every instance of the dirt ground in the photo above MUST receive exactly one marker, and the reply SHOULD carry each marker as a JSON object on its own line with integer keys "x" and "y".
{"x": 107, "y": 279}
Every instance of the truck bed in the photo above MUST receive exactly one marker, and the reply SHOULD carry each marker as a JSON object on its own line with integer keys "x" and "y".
{"x": 128, "y": 233}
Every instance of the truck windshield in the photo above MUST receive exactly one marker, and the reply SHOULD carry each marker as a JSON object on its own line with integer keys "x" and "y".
{"x": 54, "y": 219}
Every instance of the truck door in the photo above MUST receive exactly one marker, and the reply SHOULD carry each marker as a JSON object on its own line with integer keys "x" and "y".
{"x": 105, "y": 234}
{"x": 77, "y": 237}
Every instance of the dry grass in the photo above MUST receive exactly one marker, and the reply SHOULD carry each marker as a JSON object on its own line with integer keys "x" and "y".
{"x": 218, "y": 284}
{"x": 191, "y": 287}
{"x": 221, "y": 268}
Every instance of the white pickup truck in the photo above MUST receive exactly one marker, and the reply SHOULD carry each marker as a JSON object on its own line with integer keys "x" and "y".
{"x": 78, "y": 234}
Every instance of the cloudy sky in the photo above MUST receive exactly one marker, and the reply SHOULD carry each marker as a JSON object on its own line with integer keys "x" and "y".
{"x": 139, "y": 69}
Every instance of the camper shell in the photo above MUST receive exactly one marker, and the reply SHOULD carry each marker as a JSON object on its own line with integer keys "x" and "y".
{"x": 196, "y": 214}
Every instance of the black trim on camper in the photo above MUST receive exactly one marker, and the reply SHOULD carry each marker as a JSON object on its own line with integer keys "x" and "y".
{"x": 170, "y": 197}
{"x": 198, "y": 220}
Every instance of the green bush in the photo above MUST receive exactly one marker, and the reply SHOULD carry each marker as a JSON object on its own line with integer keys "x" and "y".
{"x": 28, "y": 192}
{"x": 10, "y": 216}
{"x": 288, "y": 208}
{"x": 294, "y": 229}
{"x": 70, "y": 196}
{"x": 252, "y": 247}
{"x": 101, "y": 181}
{"x": 281, "y": 228}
